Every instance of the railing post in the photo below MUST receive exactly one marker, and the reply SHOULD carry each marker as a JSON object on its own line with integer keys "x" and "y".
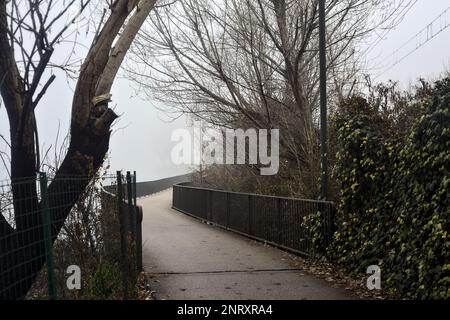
{"x": 174, "y": 196}
{"x": 250, "y": 214}
{"x": 123, "y": 236}
{"x": 130, "y": 200}
{"x": 134, "y": 189}
{"x": 228, "y": 210}
{"x": 209, "y": 206}
{"x": 279, "y": 229}
{"x": 133, "y": 225}
{"x": 139, "y": 218}
{"x": 47, "y": 236}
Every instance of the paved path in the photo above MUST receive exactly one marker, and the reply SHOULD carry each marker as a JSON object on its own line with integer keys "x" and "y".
{"x": 187, "y": 259}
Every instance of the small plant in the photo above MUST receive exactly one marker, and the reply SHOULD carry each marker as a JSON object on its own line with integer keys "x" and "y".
{"x": 314, "y": 223}
{"x": 105, "y": 282}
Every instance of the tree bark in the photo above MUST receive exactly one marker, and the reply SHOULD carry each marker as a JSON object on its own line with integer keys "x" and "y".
{"x": 22, "y": 248}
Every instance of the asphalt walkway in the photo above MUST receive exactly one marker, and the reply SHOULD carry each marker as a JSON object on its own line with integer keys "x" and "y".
{"x": 188, "y": 259}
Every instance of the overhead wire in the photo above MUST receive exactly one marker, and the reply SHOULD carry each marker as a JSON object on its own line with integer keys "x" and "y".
{"x": 421, "y": 38}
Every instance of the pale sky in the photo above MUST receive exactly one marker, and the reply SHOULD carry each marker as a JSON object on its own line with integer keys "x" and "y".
{"x": 430, "y": 60}
{"x": 143, "y": 142}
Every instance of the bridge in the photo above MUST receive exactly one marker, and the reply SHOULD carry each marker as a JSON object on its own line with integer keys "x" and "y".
{"x": 187, "y": 257}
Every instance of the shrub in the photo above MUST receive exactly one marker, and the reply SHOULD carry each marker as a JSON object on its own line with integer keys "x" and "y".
{"x": 394, "y": 207}
{"x": 105, "y": 282}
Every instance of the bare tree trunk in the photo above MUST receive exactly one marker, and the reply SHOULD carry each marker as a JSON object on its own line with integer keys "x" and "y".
{"x": 22, "y": 249}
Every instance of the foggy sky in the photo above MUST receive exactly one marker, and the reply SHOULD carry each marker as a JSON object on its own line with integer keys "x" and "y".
{"x": 143, "y": 141}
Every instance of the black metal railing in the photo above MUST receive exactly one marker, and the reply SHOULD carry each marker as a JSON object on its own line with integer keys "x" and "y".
{"x": 122, "y": 196}
{"x": 146, "y": 188}
{"x": 283, "y": 222}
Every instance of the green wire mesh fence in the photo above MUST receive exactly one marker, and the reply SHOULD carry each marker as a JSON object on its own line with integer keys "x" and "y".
{"x": 70, "y": 237}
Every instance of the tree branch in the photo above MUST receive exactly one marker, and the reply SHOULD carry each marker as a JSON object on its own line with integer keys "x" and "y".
{"x": 10, "y": 79}
{"x": 122, "y": 46}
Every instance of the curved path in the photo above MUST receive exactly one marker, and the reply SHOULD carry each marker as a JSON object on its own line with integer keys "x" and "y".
{"x": 188, "y": 259}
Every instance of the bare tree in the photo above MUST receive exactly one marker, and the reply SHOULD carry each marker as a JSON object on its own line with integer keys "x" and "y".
{"x": 254, "y": 63}
{"x": 22, "y": 67}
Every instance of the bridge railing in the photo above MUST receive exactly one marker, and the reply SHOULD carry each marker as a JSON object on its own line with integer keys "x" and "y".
{"x": 279, "y": 221}
{"x": 148, "y": 188}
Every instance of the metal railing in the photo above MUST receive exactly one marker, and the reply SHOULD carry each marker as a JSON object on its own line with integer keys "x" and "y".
{"x": 123, "y": 198}
{"x": 147, "y": 188}
{"x": 279, "y": 221}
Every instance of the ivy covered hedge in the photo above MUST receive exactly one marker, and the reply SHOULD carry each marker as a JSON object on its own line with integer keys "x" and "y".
{"x": 394, "y": 207}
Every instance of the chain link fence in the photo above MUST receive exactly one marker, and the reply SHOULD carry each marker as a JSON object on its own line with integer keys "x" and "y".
{"x": 70, "y": 237}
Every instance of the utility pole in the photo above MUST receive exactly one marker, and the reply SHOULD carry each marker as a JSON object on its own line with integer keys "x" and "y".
{"x": 323, "y": 103}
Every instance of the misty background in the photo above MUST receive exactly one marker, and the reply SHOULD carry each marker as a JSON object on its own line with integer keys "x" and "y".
{"x": 142, "y": 136}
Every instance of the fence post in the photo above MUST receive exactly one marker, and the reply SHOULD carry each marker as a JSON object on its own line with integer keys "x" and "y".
{"x": 134, "y": 189}
{"x": 130, "y": 206}
{"x": 208, "y": 206}
{"x": 250, "y": 211}
{"x": 279, "y": 224}
{"x": 132, "y": 217}
{"x": 228, "y": 209}
{"x": 123, "y": 236}
{"x": 47, "y": 236}
{"x": 139, "y": 218}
